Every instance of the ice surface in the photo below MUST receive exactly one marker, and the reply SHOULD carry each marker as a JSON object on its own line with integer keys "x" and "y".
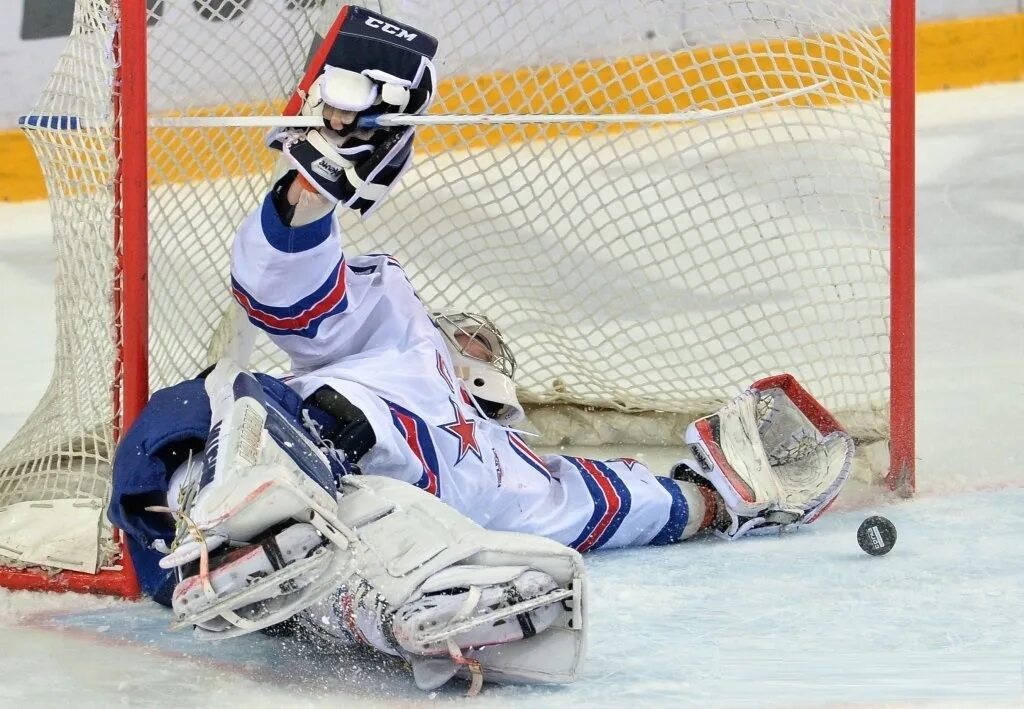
{"x": 806, "y": 620}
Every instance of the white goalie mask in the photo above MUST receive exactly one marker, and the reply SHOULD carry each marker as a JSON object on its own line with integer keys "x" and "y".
{"x": 483, "y": 362}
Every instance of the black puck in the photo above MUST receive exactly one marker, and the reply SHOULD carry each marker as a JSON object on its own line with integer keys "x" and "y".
{"x": 876, "y": 535}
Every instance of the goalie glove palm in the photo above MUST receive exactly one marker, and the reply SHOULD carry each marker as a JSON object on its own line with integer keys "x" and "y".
{"x": 774, "y": 454}
{"x": 353, "y": 172}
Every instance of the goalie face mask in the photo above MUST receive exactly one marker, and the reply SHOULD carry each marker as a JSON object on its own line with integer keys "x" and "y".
{"x": 484, "y": 363}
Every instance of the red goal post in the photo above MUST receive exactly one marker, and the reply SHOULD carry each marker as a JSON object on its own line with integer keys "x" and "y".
{"x": 523, "y": 188}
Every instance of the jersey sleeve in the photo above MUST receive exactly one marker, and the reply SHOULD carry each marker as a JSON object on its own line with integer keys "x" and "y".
{"x": 288, "y": 279}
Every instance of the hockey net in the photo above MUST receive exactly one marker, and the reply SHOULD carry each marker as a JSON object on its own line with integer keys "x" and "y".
{"x": 644, "y": 273}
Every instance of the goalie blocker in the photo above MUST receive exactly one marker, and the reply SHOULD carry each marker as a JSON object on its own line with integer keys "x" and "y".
{"x": 368, "y": 65}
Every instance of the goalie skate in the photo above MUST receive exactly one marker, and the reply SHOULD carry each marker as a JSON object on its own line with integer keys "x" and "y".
{"x": 475, "y": 606}
{"x": 254, "y": 586}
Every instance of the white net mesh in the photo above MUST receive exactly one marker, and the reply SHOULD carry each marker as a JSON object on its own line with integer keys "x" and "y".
{"x": 647, "y": 269}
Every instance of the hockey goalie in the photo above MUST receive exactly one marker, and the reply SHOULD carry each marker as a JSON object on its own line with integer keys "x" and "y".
{"x": 380, "y": 495}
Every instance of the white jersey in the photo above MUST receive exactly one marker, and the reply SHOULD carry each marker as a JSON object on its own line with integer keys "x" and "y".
{"x": 355, "y": 324}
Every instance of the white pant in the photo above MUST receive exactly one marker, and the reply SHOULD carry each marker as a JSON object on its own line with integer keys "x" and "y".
{"x": 488, "y": 473}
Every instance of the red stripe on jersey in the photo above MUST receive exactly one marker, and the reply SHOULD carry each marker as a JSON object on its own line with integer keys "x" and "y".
{"x": 522, "y": 449}
{"x": 297, "y": 322}
{"x": 413, "y": 439}
{"x": 611, "y": 497}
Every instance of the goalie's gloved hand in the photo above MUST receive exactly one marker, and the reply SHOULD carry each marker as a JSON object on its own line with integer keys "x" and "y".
{"x": 354, "y": 171}
{"x": 372, "y": 64}
{"x": 351, "y": 167}
{"x": 369, "y": 64}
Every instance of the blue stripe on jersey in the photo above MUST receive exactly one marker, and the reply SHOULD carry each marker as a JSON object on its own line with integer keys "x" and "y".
{"x": 678, "y": 515}
{"x": 523, "y": 451}
{"x": 418, "y": 438}
{"x": 303, "y": 318}
{"x": 612, "y": 502}
{"x": 292, "y": 240}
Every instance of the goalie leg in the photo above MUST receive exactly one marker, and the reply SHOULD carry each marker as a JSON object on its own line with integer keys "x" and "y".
{"x": 453, "y": 598}
{"x": 591, "y": 504}
{"x": 410, "y": 577}
{"x": 260, "y": 467}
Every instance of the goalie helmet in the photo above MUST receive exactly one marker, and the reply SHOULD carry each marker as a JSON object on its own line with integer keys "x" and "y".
{"x": 483, "y": 362}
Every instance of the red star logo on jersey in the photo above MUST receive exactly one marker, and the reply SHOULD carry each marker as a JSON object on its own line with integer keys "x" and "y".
{"x": 465, "y": 430}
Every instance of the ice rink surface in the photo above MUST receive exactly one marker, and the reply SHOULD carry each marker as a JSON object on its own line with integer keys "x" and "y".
{"x": 807, "y": 620}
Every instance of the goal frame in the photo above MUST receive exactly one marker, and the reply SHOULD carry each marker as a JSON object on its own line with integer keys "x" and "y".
{"x": 131, "y": 272}
{"x": 903, "y": 86}
{"x": 130, "y": 390}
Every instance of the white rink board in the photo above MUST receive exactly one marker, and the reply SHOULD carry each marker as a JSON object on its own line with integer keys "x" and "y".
{"x": 807, "y": 620}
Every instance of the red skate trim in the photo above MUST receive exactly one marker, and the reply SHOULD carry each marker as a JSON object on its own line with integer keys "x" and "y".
{"x": 710, "y": 506}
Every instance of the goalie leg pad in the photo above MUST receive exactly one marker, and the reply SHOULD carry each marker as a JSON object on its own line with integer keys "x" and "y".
{"x": 413, "y": 550}
{"x": 260, "y": 468}
{"x": 407, "y": 574}
{"x": 477, "y": 606}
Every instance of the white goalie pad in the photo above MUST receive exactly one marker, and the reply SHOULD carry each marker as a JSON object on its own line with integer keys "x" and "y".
{"x": 424, "y": 564}
{"x": 258, "y": 470}
{"x": 776, "y": 456}
{"x": 399, "y": 570}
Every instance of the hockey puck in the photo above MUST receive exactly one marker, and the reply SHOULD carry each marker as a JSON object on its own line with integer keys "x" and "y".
{"x": 876, "y": 535}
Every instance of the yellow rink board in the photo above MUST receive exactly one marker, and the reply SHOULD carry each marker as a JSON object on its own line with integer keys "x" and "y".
{"x": 953, "y": 54}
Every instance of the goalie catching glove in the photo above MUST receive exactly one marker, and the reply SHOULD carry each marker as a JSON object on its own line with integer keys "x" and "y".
{"x": 373, "y": 65}
{"x": 774, "y": 454}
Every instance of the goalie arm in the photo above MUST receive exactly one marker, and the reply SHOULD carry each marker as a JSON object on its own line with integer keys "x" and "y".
{"x": 288, "y": 269}
{"x": 289, "y": 279}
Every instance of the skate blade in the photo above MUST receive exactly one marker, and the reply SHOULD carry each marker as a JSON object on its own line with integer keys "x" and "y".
{"x": 526, "y": 606}
{"x": 256, "y": 591}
